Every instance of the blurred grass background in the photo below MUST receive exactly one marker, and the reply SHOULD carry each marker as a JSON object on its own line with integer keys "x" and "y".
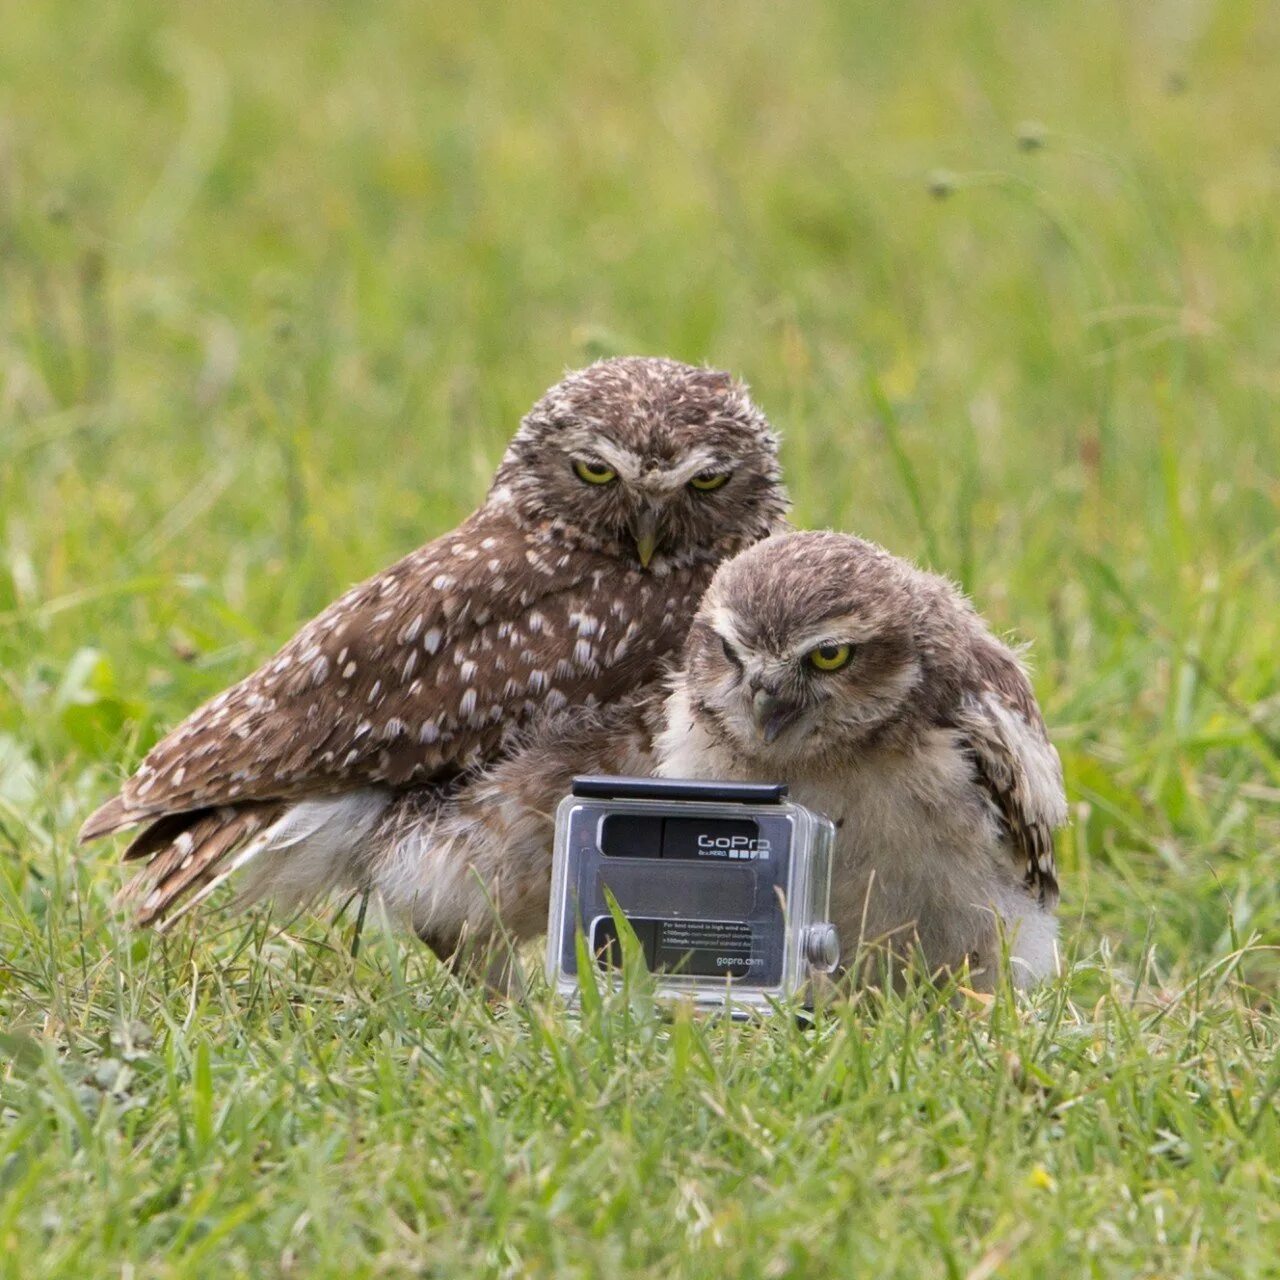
{"x": 276, "y": 284}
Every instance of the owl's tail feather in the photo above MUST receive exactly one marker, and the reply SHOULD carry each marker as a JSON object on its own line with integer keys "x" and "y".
{"x": 115, "y": 815}
{"x": 311, "y": 847}
{"x": 190, "y": 855}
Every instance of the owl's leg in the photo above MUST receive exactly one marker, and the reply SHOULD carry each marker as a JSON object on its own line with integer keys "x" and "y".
{"x": 487, "y": 957}
{"x": 445, "y": 945}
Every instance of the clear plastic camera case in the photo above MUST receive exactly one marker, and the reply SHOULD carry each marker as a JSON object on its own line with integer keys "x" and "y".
{"x": 726, "y": 886}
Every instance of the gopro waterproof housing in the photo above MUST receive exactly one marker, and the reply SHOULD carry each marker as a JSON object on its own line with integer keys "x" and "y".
{"x": 726, "y": 885}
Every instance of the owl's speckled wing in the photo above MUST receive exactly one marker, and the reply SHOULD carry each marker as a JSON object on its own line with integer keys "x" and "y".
{"x": 1016, "y": 765}
{"x": 419, "y": 673}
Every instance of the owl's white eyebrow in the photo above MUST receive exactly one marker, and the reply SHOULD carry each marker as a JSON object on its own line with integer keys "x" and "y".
{"x": 589, "y": 445}
{"x": 630, "y": 466}
{"x": 847, "y": 630}
{"x": 722, "y": 624}
{"x": 692, "y": 464}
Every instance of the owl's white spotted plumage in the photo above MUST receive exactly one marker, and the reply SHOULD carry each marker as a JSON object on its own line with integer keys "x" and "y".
{"x": 624, "y": 487}
{"x": 876, "y": 692}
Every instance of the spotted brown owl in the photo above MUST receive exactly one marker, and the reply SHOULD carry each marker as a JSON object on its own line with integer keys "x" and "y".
{"x": 623, "y": 488}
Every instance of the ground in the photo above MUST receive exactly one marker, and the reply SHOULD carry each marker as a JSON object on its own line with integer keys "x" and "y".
{"x": 276, "y": 283}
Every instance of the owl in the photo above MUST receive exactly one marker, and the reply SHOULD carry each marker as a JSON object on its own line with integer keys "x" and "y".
{"x": 623, "y": 488}
{"x": 879, "y": 696}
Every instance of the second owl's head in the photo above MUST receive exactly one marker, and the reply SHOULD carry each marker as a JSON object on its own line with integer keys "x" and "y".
{"x": 806, "y": 644}
{"x": 648, "y": 459}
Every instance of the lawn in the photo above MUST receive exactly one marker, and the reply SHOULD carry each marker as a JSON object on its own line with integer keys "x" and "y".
{"x": 276, "y": 284}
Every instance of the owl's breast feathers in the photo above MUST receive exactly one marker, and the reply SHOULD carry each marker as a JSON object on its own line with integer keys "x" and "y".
{"x": 422, "y": 672}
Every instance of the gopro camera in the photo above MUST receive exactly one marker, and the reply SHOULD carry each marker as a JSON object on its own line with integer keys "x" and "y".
{"x": 726, "y": 885}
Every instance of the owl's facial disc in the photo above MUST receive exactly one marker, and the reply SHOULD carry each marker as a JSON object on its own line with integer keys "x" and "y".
{"x": 647, "y": 497}
{"x": 794, "y": 693}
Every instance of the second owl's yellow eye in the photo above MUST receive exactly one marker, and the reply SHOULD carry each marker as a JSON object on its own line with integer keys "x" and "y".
{"x": 594, "y": 472}
{"x": 705, "y": 481}
{"x": 830, "y": 657}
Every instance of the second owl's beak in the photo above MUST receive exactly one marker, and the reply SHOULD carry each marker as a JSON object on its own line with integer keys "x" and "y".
{"x": 772, "y": 714}
{"x": 644, "y": 529}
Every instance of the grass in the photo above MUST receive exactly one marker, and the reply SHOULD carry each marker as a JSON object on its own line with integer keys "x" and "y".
{"x": 276, "y": 283}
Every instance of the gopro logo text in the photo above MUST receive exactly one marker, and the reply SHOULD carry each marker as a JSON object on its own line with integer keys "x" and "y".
{"x": 747, "y": 848}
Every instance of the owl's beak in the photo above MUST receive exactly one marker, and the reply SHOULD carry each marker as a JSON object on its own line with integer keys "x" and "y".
{"x": 773, "y": 714}
{"x": 644, "y": 529}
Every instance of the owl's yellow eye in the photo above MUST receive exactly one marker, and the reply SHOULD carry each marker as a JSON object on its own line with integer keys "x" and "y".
{"x": 594, "y": 472}
{"x": 706, "y": 481}
{"x": 830, "y": 657}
